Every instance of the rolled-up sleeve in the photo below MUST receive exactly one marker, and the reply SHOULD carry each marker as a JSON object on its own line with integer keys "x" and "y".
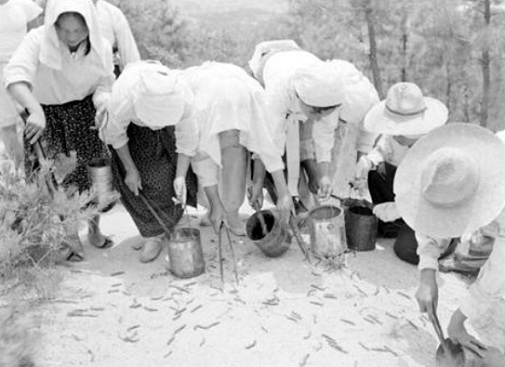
{"x": 23, "y": 65}
{"x": 429, "y": 250}
{"x": 186, "y": 132}
{"x": 380, "y": 151}
{"x": 120, "y": 114}
{"x": 323, "y": 133}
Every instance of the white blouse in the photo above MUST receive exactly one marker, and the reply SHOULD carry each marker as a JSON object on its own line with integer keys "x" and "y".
{"x": 121, "y": 113}
{"x": 80, "y": 75}
{"x": 227, "y": 98}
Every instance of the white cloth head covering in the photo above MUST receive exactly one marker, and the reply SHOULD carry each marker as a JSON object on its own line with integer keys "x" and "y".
{"x": 263, "y": 49}
{"x": 360, "y": 94}
{"x": 157, "y": 95}
{"x": 452, "y": 181}
{"x": 319, "y": 85}
{"x": 50, "y": 53}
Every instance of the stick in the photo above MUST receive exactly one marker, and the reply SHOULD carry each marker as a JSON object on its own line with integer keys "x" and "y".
{"x": 299, "y": 239}
{"x": 155, "y": 215}
{"x": 221, "y": 255}
{"x": 261, "y": 218}
{"x": 232, "y": 255}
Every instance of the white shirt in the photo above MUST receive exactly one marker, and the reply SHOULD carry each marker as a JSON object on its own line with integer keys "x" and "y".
{"x": 114, "y": 27}
{"x": 388, "y": 150}
{"x": 79, "y": 76}
{"x": 14, "y": 16}
{"x": 280, "y": 92}
{"x": 227, "y": 98}
{"x": 122, "y": 113}
{"x": 490, "y": 284}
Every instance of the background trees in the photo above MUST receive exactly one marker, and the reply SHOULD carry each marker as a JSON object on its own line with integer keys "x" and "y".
{"x": 453, "y": 49}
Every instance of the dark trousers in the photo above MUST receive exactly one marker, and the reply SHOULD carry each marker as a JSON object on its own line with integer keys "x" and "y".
{"x": 380, "y": 186}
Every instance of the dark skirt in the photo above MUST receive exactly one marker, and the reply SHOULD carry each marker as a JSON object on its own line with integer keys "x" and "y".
{"x": 154, "y": 155}
{"x": 68, "y": 129}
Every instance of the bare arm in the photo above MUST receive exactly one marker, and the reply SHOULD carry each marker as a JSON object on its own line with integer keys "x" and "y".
{"x": 36, "y": 121}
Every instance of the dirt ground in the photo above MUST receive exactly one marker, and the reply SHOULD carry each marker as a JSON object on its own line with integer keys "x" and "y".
{"x": 111, "y": 310}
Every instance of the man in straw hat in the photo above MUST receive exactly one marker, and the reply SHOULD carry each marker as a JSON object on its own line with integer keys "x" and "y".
{"x": 450, "y": 183}
{"x": 305, "y": 95}
{"x": 402, "y": 118}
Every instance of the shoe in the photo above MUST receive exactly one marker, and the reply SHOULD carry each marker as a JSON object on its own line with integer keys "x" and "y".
{"x": 151, "y": 249}
{"x": 98, "y": 240}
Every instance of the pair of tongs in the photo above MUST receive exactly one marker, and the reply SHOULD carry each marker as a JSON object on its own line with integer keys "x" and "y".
{"x": 220, "y": 244}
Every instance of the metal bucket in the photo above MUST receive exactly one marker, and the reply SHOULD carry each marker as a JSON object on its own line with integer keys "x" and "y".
{"x": 100, "y": 177}
{"x": 361, "y": 228}
{"x": 273, "y": 244}
{"x": 185, "y": 253}
{"x": 327, "y": 231}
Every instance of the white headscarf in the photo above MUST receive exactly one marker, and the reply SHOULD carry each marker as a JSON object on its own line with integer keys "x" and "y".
{"x": 50, "y": 53}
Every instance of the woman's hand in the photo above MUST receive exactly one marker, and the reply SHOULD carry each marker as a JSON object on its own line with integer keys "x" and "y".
{"x": 101, "y": 112}
{"x": 181, "y": 191}
{"x": 458, "y": 334}
{"x": 217, "y": 217}
{"x": 255, "y": 195}
{"x": 427, "y": 293}
{"x": 133, "y": 181}
{"x": 35, "y": 125}
{"x": 324, "y": 191}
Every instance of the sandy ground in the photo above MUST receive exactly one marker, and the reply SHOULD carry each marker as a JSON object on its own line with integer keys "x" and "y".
{"x": 111, "y": 310}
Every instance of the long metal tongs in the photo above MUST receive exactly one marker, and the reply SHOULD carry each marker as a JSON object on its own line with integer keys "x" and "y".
{"x": 220, "y": 244}
{"x": 296, "y": 231}
{"x": 438, "y": 330}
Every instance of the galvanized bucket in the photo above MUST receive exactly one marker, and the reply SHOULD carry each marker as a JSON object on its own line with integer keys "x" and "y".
{"x": 327, "y": 231}
{"x": 100, "y": 177}
{"x": 185, "y": 253}
{"x": 273, "y": 244}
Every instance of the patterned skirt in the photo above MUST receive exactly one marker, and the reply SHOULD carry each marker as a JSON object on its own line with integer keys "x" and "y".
{"x": 68, "y": 129}
{"x": 154, "y": 155}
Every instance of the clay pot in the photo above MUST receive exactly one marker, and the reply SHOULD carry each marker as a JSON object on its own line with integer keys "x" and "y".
{"x": 273, "y": 244}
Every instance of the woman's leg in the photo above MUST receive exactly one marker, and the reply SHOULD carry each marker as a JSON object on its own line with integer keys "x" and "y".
{"x": 233, "y": 179}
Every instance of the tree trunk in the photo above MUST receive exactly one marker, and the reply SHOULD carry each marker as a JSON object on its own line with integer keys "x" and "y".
{"x": 486, "y": 70}
{"x": 404, "y": 41}
{"x": 367, "y": 5}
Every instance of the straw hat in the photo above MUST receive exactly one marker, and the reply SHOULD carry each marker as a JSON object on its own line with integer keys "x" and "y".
{"x": 405, "y": 111}
{"x": 452, "y": 181}
{"x": 319, "y": 85}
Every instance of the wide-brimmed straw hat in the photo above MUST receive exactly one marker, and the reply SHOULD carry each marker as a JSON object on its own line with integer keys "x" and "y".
{"x": 452, "y": 181}
{"x": 405, "y": 111}
{"x": 319, "y": 85}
